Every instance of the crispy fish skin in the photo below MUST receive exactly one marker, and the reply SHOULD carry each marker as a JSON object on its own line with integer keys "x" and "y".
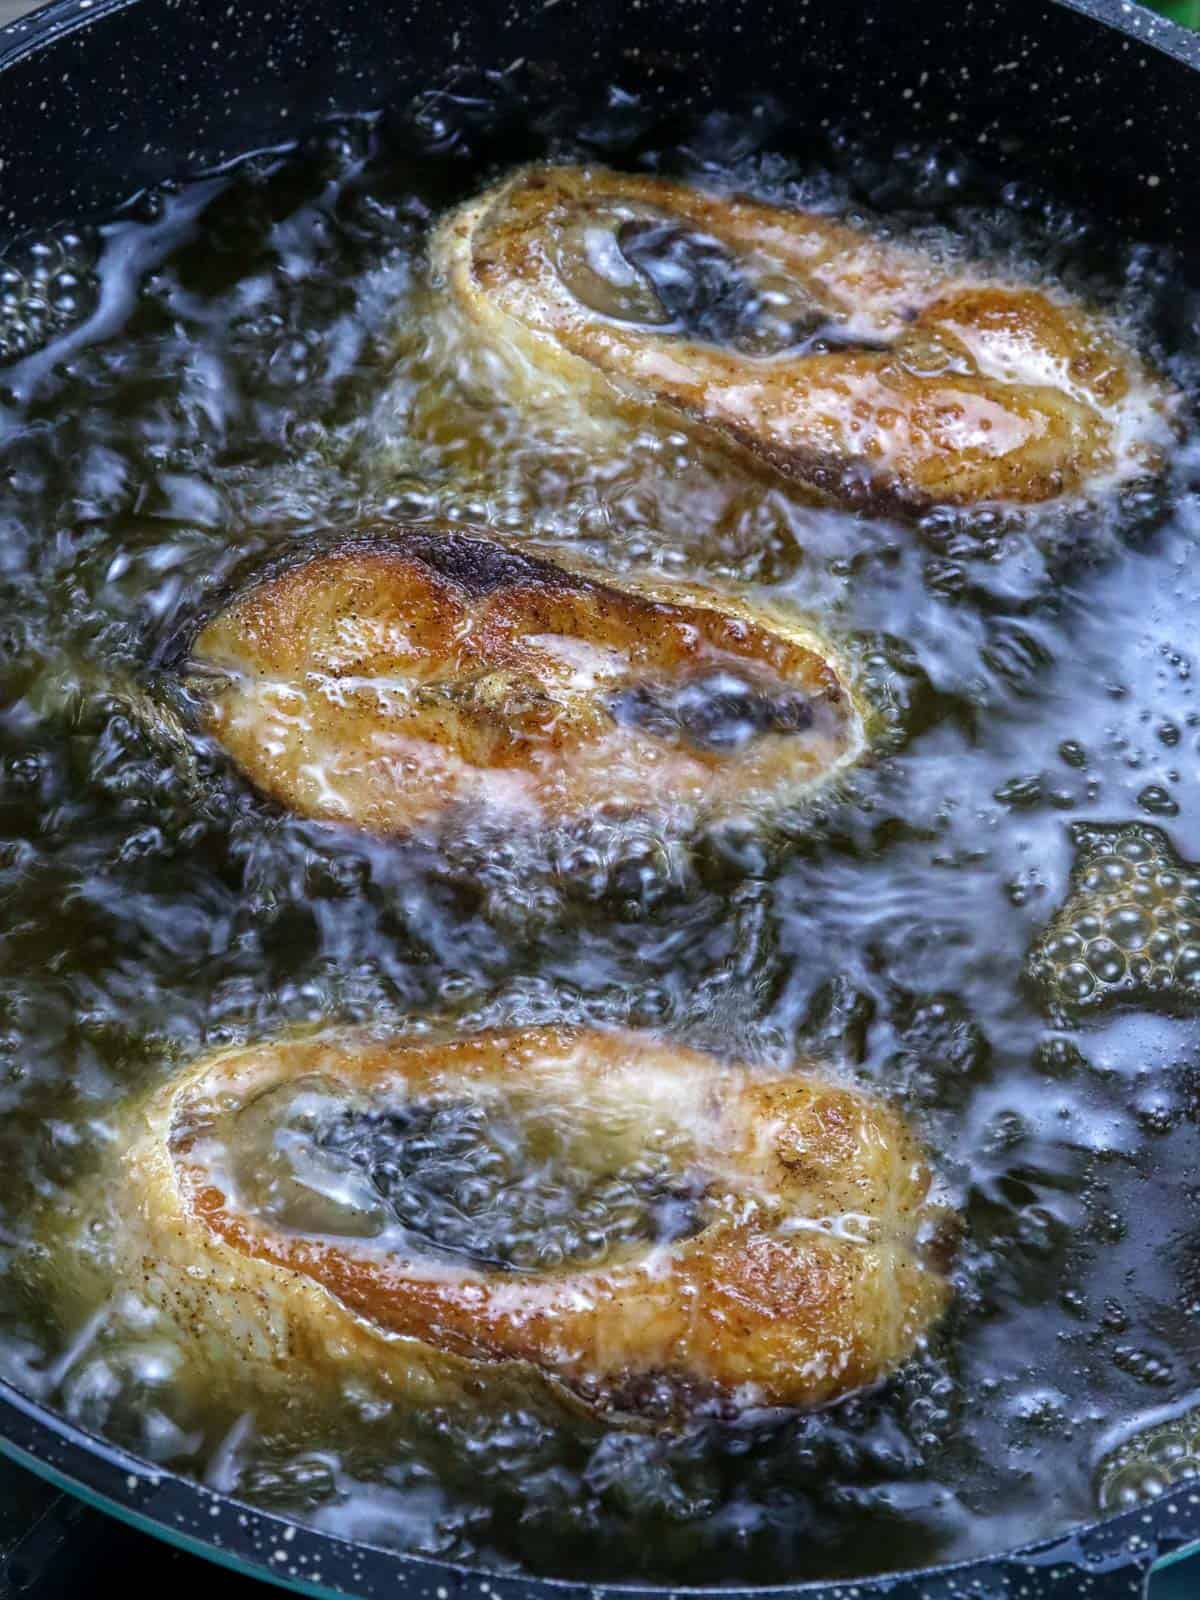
{"x": 812, "y": 1275}
{"x": 942, "y": 386}
{"x": 385, "y": 680}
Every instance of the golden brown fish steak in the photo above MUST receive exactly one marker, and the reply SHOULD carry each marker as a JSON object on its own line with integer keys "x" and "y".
{"x": 854, "y": 366}
{"x": 633, "y": 1227}
{"x": 388, "y": 679}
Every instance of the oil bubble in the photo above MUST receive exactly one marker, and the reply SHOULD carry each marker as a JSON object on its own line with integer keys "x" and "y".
{"x": 47, "y": 286}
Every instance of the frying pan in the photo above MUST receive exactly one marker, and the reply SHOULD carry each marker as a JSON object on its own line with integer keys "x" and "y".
{"x": 1096, "y": 98}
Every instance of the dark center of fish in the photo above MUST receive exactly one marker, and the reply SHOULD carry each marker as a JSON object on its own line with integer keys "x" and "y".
{"x": 696, "y": 279}
{"x": 479, "y": 1183}
{"x": 719, "y": 712}
{"x": 710, "y": 296}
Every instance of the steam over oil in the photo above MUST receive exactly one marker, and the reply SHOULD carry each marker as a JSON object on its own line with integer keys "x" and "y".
{"x": 971, "y": 922}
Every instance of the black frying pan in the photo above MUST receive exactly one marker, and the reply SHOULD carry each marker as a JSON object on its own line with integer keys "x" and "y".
{"x": 98, "y": 97}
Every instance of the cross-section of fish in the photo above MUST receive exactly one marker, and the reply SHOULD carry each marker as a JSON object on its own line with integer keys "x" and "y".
{"x": 628, "y": 1225}
{"x": 387, "y": 679}
{"x": 856, "y": 367}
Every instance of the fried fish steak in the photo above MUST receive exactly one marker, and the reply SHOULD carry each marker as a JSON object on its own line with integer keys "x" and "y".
{"x": 856, "y": 367}
{"x": 626, "y": 1225}
{"x": 387, "y": 679}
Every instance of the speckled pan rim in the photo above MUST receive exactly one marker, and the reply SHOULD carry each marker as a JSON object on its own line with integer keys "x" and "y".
{"x": 1137, "y": 21}
{"x": 210, "y": 1523}
{"x": 61, "y": 17}
{"x": 52, "y": 21}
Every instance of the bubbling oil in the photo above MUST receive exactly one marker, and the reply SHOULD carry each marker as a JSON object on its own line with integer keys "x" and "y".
{"x": 1155, "y": 1459}
{"x": 259, "y": 360}
{"x": 47, "y": 285}
{"x": 496, "y": 1182}
{"x": 1130, "y": 928}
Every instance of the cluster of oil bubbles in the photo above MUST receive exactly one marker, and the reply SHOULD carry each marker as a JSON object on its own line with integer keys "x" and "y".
{"x": 502, "y": 1186}
{"x": 1153, "y": 1461}
{"x": 687, "y": 283}
{"x": 130, "y": 1367}
{"x": 1129, "y": 930}
{"x": 48, "y": 284}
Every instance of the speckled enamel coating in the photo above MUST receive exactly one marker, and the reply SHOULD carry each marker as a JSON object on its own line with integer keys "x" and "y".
{"x": 1034, "y": 82}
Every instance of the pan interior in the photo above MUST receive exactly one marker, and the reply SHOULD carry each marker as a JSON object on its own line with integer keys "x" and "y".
{"x": 265, "y": 365}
